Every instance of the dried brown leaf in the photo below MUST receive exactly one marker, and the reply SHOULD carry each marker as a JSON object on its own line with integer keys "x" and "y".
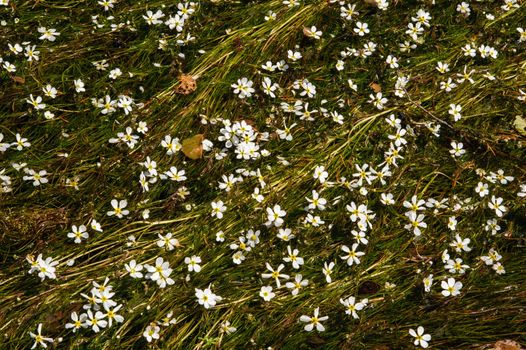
{"x": 187, "y": 85}
{"x": 507, "y": 345}
{"x": 376, "y": 87}
{"x": 17, "y": 79}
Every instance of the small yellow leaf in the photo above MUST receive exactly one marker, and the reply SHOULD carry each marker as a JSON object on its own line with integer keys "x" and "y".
{"x": 193, "y": 146}
{"x": 520, "y": 124}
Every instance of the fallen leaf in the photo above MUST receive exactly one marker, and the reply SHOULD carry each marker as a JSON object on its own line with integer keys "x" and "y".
{"x": 17, "y": 79}
{"x": 187, "y": 85}
{"x": 376, "y": 87}
{"x": 193, "y": 146}
{"x": 507, "y": 345}
{"x": 520, "y": 124}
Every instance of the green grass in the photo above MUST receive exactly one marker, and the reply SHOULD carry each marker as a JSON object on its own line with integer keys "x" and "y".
{"x": 236, "y": 41}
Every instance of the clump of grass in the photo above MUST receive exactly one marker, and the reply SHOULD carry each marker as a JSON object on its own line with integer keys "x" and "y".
{"x": 292, "y": 158}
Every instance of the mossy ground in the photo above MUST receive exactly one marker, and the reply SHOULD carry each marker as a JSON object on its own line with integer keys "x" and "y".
{"x": 236, "y": 41}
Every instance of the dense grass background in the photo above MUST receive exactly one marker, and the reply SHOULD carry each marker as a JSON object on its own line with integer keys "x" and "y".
{"x": 236, "y": 41}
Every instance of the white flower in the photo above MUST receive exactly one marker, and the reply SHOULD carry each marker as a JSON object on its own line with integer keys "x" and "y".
{"x": 257, "y": 195}
{"x": 313, "y": 32}
{"x": 392, "y": 61}
{"x": 352, "y": 306}
{"x": 464, "y": 8}
{"x": 160, "y": 272}
{"x": 206, "y": 297}
{"x": 361, "y": 28}
{"x": 176, "y": 22}
{"x": 482, "y": 189}
{"x": 266, "y": 293}
{"x": 293, "y": 56}
{"x": 78, "y": 322}
{"x": 285, "y": 234}
{"x": 457, "y": 149}
{"x": 456, "y": 266}
{"x": 340, "y": 65}
{"x": 268, "y": 66}
{"x": 377, "y": 100}
{"x": 36, "y": 102}
{"x": 112, "y": 315}
{"x": 352, "y": 256}
{"x": 320, "y": 173}
{"x": 460, "y": 244}
{"x": 45, "y": 267}
{"x": 220, "y": 236}
{"x": 171, "y": 145}
{"x": 348, "y": 12}
{"x": 78, "y": 233}
{"x": 496, "y": 204}
{"x": 243, "y": 88}
{"x": 387, "y": 199}
{"x": 314, "y": 321}
{"x": 447, "y": 85}
{"x": 454, "y": 110}
{"x": 293, "y": 258}
{"x": 118, "y": 208}
{"x": 327, "y": 271}
{"x": 134, "y": 269}
{"x": 297, "y": 284}
{"x": 428, "y": 282}
{"x": 218, "y": 208}
{"x": 451, "y": 287}
{"x": 167, "y": 241}
{"x": 442, "y": 67}
{"x": 39, "y": 338}
{"x": 151, "y": 333}
{"x": 421, "y": 339}
{"x": 21, "y": 142}
{"x": 316, "y": 202}
{"x": 275, "y": 274}
{"x": 95, "y": 321}
{"x": 269, "y": 87}
{"x": 193, "y": 263}
{"x": 275, "y": 216}
{"x": 48, "y": 34}
{"x": 115, "y": 73}
{"x": 153, "y": 18}
{"x": 38, "y": 178}
{"x": 226, "y": 328}
{"x": 415, "y": 222}
{"x": 50, "y": 91}
{"x": 499, "y": 269}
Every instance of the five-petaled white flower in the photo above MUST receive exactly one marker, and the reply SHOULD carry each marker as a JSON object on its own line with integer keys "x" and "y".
{"x": 39, "y": 338}
{"x": 314, "y": 321}
{"x": 421, "y": 339}
{"x": 118, "y": 208}
{"x": 266, "y": 293}
{"x": 352, "y": 256}
{"x": 451, "y": 287}
{"x": 78, "y": 233}
{"x": 218, "y": 208}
